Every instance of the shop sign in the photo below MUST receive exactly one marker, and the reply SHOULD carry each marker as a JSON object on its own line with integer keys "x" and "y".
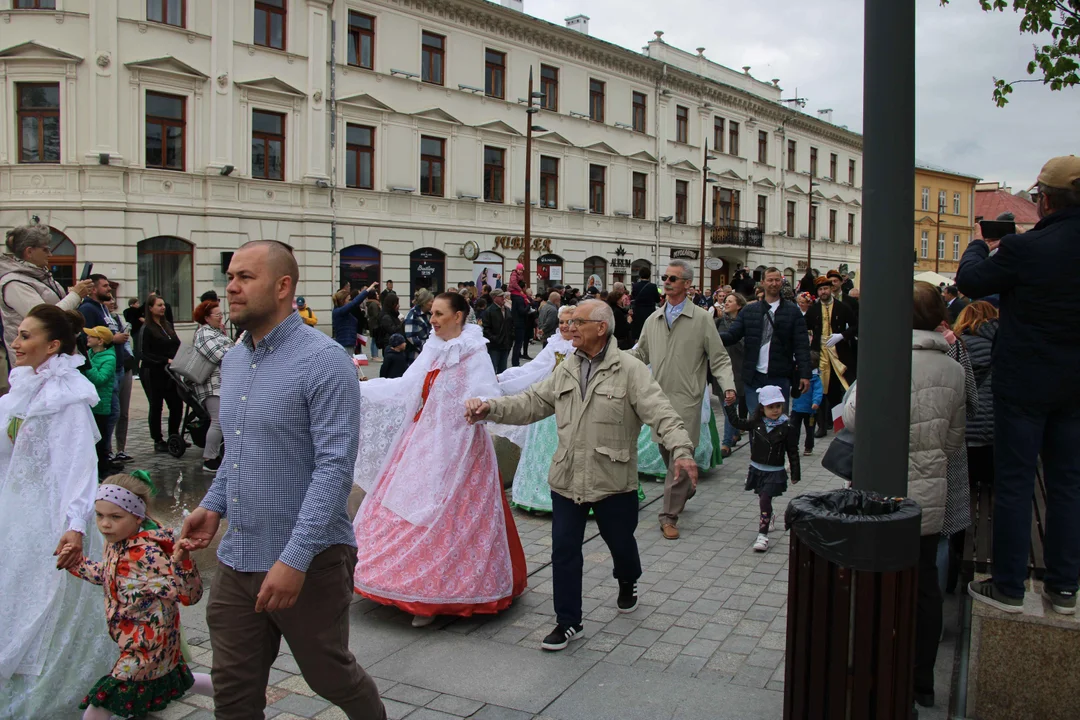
{"x": 516, "y": 242}
{"x": 621, "y": 261}
{"x": 684, "y": 254}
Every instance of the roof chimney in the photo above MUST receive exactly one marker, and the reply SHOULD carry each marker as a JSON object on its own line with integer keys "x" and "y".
{"x": 825, "y": 114}
{"x": 579, "y": 23}
{"x": 518, "y": 5}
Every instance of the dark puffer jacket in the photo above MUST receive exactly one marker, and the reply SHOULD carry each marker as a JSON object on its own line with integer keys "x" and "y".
{"x": 980, "y": 429}
{"x": 789, "y": 339}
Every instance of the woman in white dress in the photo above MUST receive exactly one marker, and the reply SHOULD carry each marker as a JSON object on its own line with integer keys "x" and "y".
{"x": 538, "y": 441}
{"x": 53, "y": 639}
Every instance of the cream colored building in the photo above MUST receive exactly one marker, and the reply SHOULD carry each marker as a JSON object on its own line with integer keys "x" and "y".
{"x": 155, "y": 136}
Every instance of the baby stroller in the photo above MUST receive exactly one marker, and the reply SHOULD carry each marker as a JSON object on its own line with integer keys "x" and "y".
{"x": 196, "y": 418}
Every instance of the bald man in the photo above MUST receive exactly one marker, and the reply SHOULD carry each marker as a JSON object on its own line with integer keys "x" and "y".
{"x": 548, "y": 318}
{"x": 290, "y": 413}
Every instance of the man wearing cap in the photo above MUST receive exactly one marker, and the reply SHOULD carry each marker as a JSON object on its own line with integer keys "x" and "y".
{"x": 499, "y": 330}
{"x": 306, "y": 313}
{"x": 833, "y": 326}
{"x": 1035, "y": 361}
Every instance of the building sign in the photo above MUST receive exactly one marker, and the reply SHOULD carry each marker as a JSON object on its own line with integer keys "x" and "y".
{"x": 427, "y": 269}
{"x": 622, "y": 259}
{"x": 516, "y": 242}
{"x": 684, "y": 254}
{"x": 548, "y": 271}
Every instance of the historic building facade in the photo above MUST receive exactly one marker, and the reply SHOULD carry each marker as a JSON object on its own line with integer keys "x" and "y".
{"x": 156, "y": 136}
{"x": 944, "y": 218}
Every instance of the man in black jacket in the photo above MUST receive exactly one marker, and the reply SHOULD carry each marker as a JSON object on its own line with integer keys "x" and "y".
{"x": 954, "y": 304}
{"x": 840, "y": 335}
{"x": 95, "y": 314}
{"x": 1035, "y": 359}
{"x": 644, "y": 295}
{"x": 499, "y": 330}
{"x": 774, "y": 332}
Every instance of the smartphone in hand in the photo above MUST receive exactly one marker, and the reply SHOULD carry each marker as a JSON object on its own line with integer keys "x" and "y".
{"x": 87, "y": 271}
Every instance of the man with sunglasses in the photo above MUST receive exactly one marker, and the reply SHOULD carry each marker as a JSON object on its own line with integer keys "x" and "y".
{"x": 680, "y": 341}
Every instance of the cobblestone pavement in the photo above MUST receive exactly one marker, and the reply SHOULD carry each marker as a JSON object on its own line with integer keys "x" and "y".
{"x": 707, "y": 640}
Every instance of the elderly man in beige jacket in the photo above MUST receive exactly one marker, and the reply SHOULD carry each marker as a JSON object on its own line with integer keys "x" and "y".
{"x": 681, "y": 343}
{"x": 600, "y": 396}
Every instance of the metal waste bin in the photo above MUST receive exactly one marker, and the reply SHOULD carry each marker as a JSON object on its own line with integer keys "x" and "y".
{"x": 852, "y": 587}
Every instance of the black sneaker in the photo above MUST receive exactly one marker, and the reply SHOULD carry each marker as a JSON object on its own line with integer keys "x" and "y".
{"x": 627, "y": 601}
{"x": 162, "y": 447}
{"x": 123, "y": 457}
{"x": 561, "y": 636}
{"x": 1063, "y": 602}
{"x": 212, "y": 464}
{"x": 985, "y": 592}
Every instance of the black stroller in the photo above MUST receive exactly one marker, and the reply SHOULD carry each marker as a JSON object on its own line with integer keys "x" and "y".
{"x": 196, "y": 418}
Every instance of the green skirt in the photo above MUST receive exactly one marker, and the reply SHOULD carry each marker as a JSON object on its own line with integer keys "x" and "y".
{"x": 707, "y": 454}
{"x": 129, "y": 698}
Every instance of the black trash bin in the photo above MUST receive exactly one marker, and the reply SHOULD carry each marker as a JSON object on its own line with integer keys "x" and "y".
{"x": 852, "y": 586}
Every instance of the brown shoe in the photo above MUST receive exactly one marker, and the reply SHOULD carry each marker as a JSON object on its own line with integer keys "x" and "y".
{"x": 670, "y": 531}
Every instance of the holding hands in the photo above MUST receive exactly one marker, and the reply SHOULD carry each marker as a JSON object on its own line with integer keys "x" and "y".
{"x": 476, "y": 410}
{"x": 68, "y": 551}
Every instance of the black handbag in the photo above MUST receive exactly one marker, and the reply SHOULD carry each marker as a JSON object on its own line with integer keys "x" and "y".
{"x": 839, "y": 459}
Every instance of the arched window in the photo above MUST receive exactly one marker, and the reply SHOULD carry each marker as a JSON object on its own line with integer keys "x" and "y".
{"x": 636, "y": 268}
{"x": 487, "y": 270}
{"x": 166, "y": 267}
{"x": 789, "y": 273}
{"x": 427, "y": 269}
{"x": 596, "y": 272}
{"x": 62, "y": 262}
{"x": 360, "y": 265}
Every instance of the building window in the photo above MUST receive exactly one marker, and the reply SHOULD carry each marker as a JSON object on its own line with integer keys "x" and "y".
{"x": 733, "y": 138}
{"x": 170, "y": 12}
{"x": 267, "y": 145}
{"x": 639, "y": 112}
{"x": 596, "y": 100}
{"x": 851, "y": 172}
{"x": 762, "y": 209}
{"x": 549, "y": 182}
{"x": 165, "y": 266}
{"x": 270, "y": 23}
{"x": 682, "y": 189}
{"x": 763, "y": 147}
{"x": 813, "y": 162}
{"x": 597, "y": 175}
{"x": 35, "y": 4}
{"x": 495, "y": 74}
{"x": 494, "y": 174}
{"x": 431, "y": 166}
{"x": 360, "y": 157}
{"x": 851, "y": 228}
{"x": 941, "y": 201}
{"x": 792, "y": 148}
{"x": 361, "y": 40}
{"x": 791, "y": 218}
{"x": 941, "y": 246}
{"x": 726, "y": 211}
{"x": 832, "y": 225}
{"x": 832, "y": 166}
{"x": 926, "y": 198}
{"x": 924, "y": 245}
{"x": 955, "y": 247}
{"x": 432, "y": 58}
{"x": 813, "y": 220}
{"x": 718, "y": 134}
{"x": 39, "y": 122}
{"x": 956, "y": 203}
{"x": 640, "y": 185}
{"x": 165, "y": 129}
{"x": 682, "y": 124}
{"x": 549, "y": 87}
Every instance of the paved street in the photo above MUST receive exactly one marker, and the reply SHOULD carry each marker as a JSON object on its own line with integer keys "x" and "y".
{"x": 707, "y": 640}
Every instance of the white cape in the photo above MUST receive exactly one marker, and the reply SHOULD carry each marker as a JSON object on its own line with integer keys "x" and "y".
{"x": 521, "y": 378}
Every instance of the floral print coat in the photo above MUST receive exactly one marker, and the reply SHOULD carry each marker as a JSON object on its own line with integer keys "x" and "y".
{"x": 143, "y": 591}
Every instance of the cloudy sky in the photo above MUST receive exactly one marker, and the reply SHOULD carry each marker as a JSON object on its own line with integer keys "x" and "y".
{"x": 816, "y": 46}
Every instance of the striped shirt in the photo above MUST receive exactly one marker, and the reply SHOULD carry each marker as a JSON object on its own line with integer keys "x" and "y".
{"x": 290, "y": 411}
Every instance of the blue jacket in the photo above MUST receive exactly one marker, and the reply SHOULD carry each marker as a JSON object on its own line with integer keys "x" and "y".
{"x": 789, "y": 339}
{"x": 344, "y": 323}
{"x": 1037, "y": 348}
{"x": 805, "y": 403}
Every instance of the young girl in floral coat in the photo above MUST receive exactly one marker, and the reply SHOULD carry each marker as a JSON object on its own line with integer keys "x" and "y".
{"x": 146, "y": 576}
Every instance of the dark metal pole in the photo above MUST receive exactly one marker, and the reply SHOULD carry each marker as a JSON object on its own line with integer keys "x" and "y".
{"x": 529, "y": 112}
{"x": 704, "y": 188}
{"x": 881, "y": 453}
{"x": 938, "y": 249}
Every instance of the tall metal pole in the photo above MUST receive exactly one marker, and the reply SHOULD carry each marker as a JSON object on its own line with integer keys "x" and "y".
{"x": 881, "y": 454}
{"x": 938, "y": 249}
{"x": 704, "y": 188}
{"x": 529, "y": 112}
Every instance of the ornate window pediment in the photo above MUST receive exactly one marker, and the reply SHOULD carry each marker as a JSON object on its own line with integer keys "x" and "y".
{"x": 31, "y": 50}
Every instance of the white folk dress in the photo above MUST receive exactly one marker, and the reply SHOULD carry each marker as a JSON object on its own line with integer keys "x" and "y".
{"x": 53, "y": 640}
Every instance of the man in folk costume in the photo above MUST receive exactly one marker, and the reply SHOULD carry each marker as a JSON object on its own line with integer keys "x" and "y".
{"x": 681, "y": 344}
{"x": 834, "y": 329}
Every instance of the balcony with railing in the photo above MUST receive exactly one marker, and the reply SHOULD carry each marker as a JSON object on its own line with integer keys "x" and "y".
{"x": 737, "y": 234}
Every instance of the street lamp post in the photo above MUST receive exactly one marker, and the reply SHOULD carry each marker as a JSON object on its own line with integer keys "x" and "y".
{"x": 529, "y": 112}
{"x": 939, "y": 248}
{"x": 810, "y": 226}
{"x": 705, "y": 180}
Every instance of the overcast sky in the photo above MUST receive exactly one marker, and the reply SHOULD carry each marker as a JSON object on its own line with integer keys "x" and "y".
{"x": 816, "y": 46}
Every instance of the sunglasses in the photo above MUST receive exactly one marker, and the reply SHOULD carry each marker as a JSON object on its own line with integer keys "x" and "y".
{"x": 670, "y": 278}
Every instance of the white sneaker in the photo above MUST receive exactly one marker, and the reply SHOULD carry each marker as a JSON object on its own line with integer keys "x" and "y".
{"x": 420, "y": 621}
{"x": 762, "y": 543}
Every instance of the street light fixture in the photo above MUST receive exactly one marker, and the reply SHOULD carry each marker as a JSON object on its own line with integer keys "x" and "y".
{"x": 530, "y": 111}
{"x": 810, "y": 226}
{"x": 705, "y": 180}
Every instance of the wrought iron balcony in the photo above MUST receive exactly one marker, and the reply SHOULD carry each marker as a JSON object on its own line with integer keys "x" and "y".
{"x": 738, "y": 234}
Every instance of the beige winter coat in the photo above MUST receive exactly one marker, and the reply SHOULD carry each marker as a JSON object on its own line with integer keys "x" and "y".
{"x": 597, "y": 452}
{"x": 681, "y": 357}
{"x": 938, "y": 423}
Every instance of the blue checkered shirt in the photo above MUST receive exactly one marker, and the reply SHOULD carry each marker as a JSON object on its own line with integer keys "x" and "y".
{"x": 290, "y": 411}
